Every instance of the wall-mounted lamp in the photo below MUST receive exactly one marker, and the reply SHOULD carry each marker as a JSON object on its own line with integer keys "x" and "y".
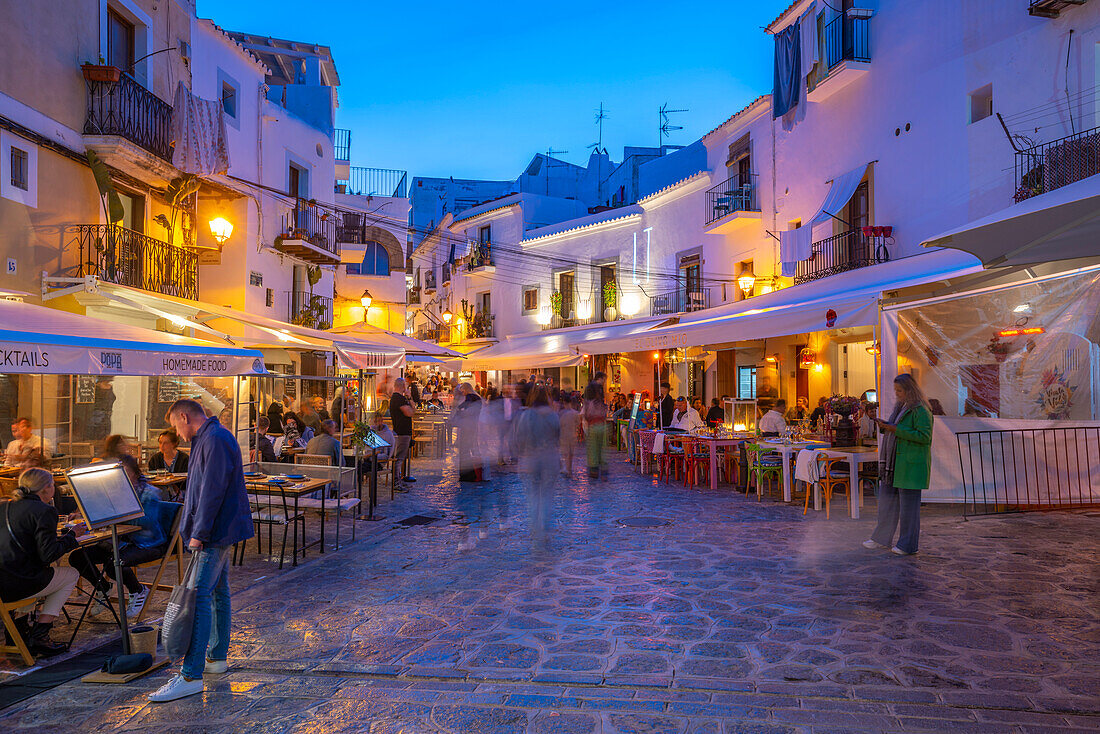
{"x": 366, "y": 299}
{"x": 221, "y": 229}
{"x": 746, "y": 282}
{"x": 447, "y": 316}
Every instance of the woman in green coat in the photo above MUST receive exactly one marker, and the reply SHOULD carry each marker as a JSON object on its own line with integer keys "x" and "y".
{"x": 905, "y": 461}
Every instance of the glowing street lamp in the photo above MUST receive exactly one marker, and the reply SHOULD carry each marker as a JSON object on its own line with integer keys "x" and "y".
{"x": 221, "y": 229}
{"x": 746, "y": 282}
{"x": 366, "y": 299}
{"x": 447, "y": 316}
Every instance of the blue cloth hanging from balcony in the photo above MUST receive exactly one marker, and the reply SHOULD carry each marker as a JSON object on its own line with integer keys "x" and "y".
{"x": 788, "y": 70}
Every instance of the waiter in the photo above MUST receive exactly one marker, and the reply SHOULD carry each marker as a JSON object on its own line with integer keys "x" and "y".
{"x": 667, "y": 405}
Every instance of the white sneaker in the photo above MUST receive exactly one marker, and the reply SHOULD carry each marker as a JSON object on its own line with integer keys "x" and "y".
{"x": 100, "y": 605}
{"x": 871, "y": 545}
{"x": 178, "y": 687}
{"x": 137, "y": 603}
{"x": 216, "y": 667}
{"x": 483, "y": 534}
{"x": 899, "y": 552}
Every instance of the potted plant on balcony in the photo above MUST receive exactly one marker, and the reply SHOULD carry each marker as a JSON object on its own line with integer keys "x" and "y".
{"x": 610, "y": 300}
{"x": 101, "y": 72}
{"x": 177, "y": 194}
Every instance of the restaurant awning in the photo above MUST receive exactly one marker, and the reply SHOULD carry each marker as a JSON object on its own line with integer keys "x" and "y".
{"x": 40, "y": 340}
{"x": 1063, "y": 224}
{"x": 845, "y": 300}
{"x": 389, "y": 338}
{"x": 554, "y": 348}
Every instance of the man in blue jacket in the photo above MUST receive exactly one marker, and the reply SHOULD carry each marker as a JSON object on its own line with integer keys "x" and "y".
{"x": 215, "y": 516}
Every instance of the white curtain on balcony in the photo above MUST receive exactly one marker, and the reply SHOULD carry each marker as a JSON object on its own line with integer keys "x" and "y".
{"x": 796, "y": 245}
{"x": 198, "y": 130}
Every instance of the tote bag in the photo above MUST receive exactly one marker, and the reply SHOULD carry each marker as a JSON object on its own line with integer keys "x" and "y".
{"x": 179, "y": 616}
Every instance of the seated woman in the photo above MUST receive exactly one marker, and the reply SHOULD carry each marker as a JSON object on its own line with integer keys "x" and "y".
{"x": 115, "y": 446}
{"x": 295, "y": 435}
{"x": 169, "y": 458}
{"x": 29, "y": 543}
{"x": 147, "y": 544}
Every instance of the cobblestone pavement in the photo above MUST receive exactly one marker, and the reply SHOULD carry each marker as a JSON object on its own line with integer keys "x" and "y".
{"x": 723, "y": 615}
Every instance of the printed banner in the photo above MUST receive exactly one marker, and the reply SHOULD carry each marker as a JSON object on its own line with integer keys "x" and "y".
{"x": 22, "y": 359}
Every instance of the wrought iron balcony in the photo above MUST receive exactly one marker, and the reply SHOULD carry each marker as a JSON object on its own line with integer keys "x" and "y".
{"x": 1050, "y": 8}
{"x": 433, "y": 333}
{"x": 313, "y": 311}
{"x": 118, "y": 255}
{"x": 341, "y": 144}
{"x": 377, "y": 182}
{"x": 735, "y": 194}
{"x": 481, "y": 256}
{"x": 129, "y": 110}
{"x": 679, "y": 301}
{"x": 445, "y": 276}
{"x": 846, "y": 39}
{"x": 845, "y": 251}
{"x": 480, "y": 326}
{"x": 1060, "y": 162}
{"x": 414, "y": 296}
{"x": 309, "y": 233}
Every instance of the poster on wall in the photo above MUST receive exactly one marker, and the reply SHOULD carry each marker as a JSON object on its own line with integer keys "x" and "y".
{"x": 168, "y": 389}
{"x": 85, "y": 390}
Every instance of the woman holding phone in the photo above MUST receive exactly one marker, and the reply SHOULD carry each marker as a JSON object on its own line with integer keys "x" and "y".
{"x": 905, "y": 462}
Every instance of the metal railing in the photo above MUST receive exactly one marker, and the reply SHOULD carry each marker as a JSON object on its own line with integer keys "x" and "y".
{"x": 445, "y": 275}
{"x": 432, "y": 333}
{"x": 481, "y": 326}
{"x": 679, "y": 301}
{"x": 118, "y": 255}
{"x": 127, "y": 109}
{"x": 351, "y": 227}
{"x": 481, "y": 256}
{"x": 847, "y": 39}
{"x": 377, "y": 182}
{"x": 735, "y": 194}
{"x": 314, "y": 311}
{"x": 341, "y": 144}
{"x": 429, "y": 280}
{"x": 311, "y": 224}
{"x": 1059, "y": 163}
{"x": 843, "y": 252}
{"x": 414, "y": 296}
{"x": 1028, "y": 469}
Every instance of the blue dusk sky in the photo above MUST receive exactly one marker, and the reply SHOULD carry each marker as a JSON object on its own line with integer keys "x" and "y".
{"x": 473, "y": 90}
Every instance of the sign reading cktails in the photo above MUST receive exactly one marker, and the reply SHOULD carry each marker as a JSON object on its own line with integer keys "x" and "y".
{"x": 90, "y": 360}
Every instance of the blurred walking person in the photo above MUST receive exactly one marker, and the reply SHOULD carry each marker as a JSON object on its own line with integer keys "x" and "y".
{"x": 401, "y": 416}
{"x": 538, "y": 437}
{"x": 569, "y": 417}
{"x": 595, "y": 419}
{"x": 466, "y": 420}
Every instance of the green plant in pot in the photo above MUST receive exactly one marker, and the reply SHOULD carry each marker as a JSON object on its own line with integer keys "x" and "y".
{"x": 177, "y": 194}
{"x": 112, "y": 212}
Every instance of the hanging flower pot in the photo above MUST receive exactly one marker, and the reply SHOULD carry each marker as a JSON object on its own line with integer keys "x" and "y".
{"x": 101, "y": 73}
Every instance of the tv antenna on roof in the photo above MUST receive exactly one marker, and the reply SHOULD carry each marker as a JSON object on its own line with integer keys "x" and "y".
{"x": 663, "y": 125}
{"x": 601, "y": 115}
{"x": 550, "y": 153}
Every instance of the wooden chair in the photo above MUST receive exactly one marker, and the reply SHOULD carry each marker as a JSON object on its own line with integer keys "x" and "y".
{"x": 645, "y": 449}
{"x": 172, "y": 513}
{"x": 763, "y": 464}
{"x": 671, "y": 460}
{"x": 19, "y": 645}
{"x": 829, "y": 476}
{"x": 696, "y": 462}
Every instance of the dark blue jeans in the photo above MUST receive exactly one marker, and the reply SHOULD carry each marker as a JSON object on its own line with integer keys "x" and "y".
{"x": 897, "y": 507}
{"x": 210, "y": 636}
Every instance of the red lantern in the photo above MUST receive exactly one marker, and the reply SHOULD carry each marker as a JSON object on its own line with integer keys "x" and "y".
{"x": 807, "y": 358}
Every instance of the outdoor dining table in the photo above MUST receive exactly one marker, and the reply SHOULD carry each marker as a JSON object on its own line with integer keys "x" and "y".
{"x": 294, "y": 491}
{"x": 786, "y": 450}
{"x": 171, "y": 482}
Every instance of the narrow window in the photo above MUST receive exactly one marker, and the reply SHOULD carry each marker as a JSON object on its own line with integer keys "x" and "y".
{"x": 20, "y": 169}
{"x": 229, "y": 99}
{"x": 981, "y": 103}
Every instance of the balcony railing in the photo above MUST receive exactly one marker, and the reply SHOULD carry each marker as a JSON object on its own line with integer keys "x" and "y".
{"x": 480, "y": 326}
{"x": 679, "y": 301}
{"x": 414, "y": 296}
{"x": 377, "y": 182}
{"x": 118, "y": 255}
{"x": 313, "y": 311}
{"x": 735, "y": 194}
{"x": 1052, "y": 165}
{"x": 311, "y": 224}
{"x": 341, "y": 144}
{"x": 481, "y": 256}
{"x": 847, "y": 39}
{"x": 429, "y": 281}
{"x": 445, "y": 275}
{"x": 845, "y": 251}
{"x": 127, "y": 109}
{"x": 432, "y": 333}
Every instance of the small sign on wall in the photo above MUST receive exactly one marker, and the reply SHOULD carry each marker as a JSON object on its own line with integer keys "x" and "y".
{"x": 210, "y": 257}
{"x": 11, "y": 266}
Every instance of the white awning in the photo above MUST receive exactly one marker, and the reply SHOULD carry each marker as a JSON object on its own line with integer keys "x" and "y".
{"x": 556, "y": 347}
{"x": 797, "y": 244}
{"x": 1063, "y": 224}
{"x": 390, "y": 338}
{"x": 366, "y": 357}
{"x": 39, "y": 340}
{"x": 846, "y": 300}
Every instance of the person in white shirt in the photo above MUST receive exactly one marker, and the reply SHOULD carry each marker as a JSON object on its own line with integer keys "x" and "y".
{"x": 773, "y": 423}
{"x": 27, "y": 449}
{"x": 685, "y": 417}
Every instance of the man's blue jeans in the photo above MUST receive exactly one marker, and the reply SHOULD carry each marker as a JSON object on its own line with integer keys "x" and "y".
{"x": 210, "y": 636}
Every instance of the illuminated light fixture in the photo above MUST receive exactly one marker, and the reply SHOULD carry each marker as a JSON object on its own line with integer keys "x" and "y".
{"x": 874, "y": 348}
{"x": 584, "y": 356}
{"x": 766, "y": 289}
{"x": 819, "y": 367}
{"x": 772, "y": 358}
{"x": 179, "y": 321}
{"x": 1022, "y": 308}
{"x": 1022, "y": 332}
{"x": 739, "y": 427}
{"x": 656, "y": 355}
{"x": 546, "y": 314}
{"x": 631, "y": 304}
{"x": 584, "y": 308}
{"x": 746, "y": 282}
{"x": 221, "y": 229}
{"x": 807, "y": 358}
{"x": 366, "y": 299}
{"x": 447, "y": 316}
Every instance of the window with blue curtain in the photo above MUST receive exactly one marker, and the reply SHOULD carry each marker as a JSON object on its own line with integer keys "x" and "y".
{"x": 376, "y": 261}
